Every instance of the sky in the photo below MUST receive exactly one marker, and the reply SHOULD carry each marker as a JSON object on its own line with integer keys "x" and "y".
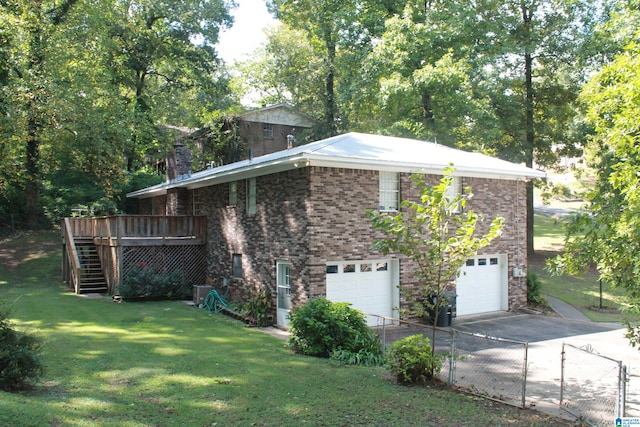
{"x": 250, "y": 20}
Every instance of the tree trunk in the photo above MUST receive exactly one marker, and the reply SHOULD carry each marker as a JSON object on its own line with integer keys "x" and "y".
{"x": 34, "y": 114}
{"x": 529, "y": 124}
{"x": 330, "y": 97}
{"x": 427, "y": 108}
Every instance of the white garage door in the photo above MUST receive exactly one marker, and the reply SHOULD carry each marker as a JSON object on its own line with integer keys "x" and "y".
{"x": 367, "y": 285}
{"x": 482, "y": 286}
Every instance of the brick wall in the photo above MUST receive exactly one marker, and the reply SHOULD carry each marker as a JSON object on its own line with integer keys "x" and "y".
{"x": 253, "y": 136}
{"x": 339, "y": 229}
{"x": 314, "y": 215}
{"x": 277, "y": 232}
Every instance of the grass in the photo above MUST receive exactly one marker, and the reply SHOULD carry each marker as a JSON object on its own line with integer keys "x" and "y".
{"x": 582, "y": 292}
{"x": 169, "y": 364}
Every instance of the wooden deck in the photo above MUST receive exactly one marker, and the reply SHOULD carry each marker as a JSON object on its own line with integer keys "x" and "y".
{"x": 170, "y": 242}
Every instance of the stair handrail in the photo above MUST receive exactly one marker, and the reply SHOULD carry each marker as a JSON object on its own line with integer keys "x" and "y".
{"x": 72, "y": 254}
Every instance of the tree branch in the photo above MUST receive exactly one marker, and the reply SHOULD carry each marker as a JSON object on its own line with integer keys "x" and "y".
{"x": 58, "y": 14}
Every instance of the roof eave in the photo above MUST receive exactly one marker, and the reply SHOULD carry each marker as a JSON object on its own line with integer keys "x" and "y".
{"x": 304, "y": 159}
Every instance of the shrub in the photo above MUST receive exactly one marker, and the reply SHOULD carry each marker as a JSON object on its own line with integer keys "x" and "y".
{"x": 20, "y": 366}
{"x": 412, "y": 360}
{"x": 333, "y": 329}
{"x": 257, "y": 308}
{"x": 147, "y": 282}
{"x": 534, "y": 289}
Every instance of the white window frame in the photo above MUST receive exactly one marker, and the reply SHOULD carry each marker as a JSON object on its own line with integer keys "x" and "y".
{"x": 251, "y": 193}
{"x": 455, "y": 190}
{"x": 233, "y": 193}
{"x": 196, "y": 201}
{"x": 389, "y": 191}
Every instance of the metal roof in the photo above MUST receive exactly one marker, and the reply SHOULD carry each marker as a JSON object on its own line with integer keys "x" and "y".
{"x": 356, "y": 151}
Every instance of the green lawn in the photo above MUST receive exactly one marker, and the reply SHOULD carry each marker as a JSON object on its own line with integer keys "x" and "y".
{"x": 582, "y": 292}
{"x": 169, "y": 364}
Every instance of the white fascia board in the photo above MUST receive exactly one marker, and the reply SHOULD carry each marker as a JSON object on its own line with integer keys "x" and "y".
{"x": 156, "y": 190}
{"x": 424, "y": 168}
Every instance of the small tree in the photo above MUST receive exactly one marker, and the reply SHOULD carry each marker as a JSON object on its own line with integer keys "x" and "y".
{"x": 438, "y": 234}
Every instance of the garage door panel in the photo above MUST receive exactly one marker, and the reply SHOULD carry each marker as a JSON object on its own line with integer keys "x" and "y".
{"x": 367, "y": 285}
{"x": 480, "y": 287}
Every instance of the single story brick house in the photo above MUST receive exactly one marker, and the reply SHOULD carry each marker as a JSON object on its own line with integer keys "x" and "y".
{"x": 294, "y": 221}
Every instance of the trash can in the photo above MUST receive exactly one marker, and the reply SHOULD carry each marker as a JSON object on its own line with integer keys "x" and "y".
{"x": 445, "y": 312}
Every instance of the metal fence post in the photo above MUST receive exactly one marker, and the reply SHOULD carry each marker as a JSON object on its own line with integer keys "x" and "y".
{"x": 622, "y": 391}
{"x": 452, "y": 357}
{"x": 525, "y": 368}
{"x": 563, "y": 355}
{"x": 384, "y": 336}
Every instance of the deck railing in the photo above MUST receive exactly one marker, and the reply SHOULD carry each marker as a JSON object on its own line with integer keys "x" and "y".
{"x": 112, "y": 234}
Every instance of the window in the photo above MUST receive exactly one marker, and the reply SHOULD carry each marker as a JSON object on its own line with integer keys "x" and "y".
{"x": 267, "y": 131}
{"x": 196, "y": 201}
{"x": 455, "y": 191}
{"x": 365, "y": 268}
{"x": 349, "y": 268}
{"x": 233, "y": 193}
{"x": 389, "y": 191}
{"x": 381, "y": 266}
{"x": 236, "y": 266}
{"x": 251, "y": 196}
{"x": 332, "y": 269}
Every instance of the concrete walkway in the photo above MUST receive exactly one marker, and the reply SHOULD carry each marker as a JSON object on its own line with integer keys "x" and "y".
{"x": 566, "y": 311}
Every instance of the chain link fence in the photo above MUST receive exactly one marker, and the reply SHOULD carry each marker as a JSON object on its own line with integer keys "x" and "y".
{"x": 593, "y": 387}
{"x": 488, "y": 366}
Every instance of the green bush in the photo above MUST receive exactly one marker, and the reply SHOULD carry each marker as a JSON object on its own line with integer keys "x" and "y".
{"x": 333, "y": 329}
{"x": 146, "y": 282}
{"x": 20, "y": 366}
{"x": 257, "y": 308}
{"x": 411, "y": 360}
{"x": 534, "y": 289}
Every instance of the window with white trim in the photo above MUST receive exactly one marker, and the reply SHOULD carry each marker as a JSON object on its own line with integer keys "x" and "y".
{"x": 196, "y": 201}
{"x": 389, "y": 191}
{"x": 455, "y": 191}
{"x": 251, "y": 196}
{"x": 233, "y": 193}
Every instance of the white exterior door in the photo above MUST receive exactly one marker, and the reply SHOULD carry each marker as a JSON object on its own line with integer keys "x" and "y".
{"x": 370, "y": 286}
{"x": 482, "y": 286}
{"x": 283, "y": 273}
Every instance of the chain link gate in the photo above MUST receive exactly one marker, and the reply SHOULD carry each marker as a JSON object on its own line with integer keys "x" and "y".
{"x": 592, "y": 387}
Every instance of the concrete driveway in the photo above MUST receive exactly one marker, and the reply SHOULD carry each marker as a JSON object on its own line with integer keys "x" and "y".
{"x": 591, "y": 378}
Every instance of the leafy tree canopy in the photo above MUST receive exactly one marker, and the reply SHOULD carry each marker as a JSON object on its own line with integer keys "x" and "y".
{"x": 608, "y": 234}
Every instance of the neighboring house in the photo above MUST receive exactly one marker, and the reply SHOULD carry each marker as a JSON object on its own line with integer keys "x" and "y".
{"x": 294, "y": 222}
{"x": 272, "y": 129}
{"x": 250, "y": 134}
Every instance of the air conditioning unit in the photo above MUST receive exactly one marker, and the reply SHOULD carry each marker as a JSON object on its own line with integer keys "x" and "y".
{"x": 200, "y": 292}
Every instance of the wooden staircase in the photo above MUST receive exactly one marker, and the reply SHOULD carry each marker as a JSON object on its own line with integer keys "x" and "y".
{"x": 91, "y": 275}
